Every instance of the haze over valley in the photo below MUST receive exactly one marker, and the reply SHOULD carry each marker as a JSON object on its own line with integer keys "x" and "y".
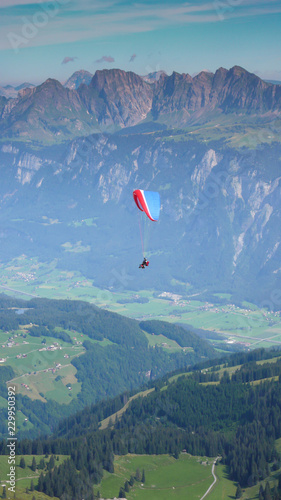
{"x": 140, "y": 275}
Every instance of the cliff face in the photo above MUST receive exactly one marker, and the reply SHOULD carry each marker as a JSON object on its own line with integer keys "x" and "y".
{"x": 126, "y": 98}
{"x": 115, "y": 99}
{"x": 220, "y": 217}
{"x": 219, "y": 227}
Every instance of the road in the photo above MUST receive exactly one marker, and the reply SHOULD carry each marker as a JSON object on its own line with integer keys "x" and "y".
{"x": 214, "y": 482}
{"x": 18, "y": 291}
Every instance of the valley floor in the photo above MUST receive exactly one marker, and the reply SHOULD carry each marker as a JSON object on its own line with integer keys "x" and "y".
{"x": 226, "y": 326}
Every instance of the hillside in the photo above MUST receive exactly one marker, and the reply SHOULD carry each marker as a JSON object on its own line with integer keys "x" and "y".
{"x": 233, "y": 420}
{"x": 68, "y": 354}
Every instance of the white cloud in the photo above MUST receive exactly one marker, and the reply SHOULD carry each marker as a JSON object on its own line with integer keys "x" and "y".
{"x": 89, "y": 20}
{"x": 15, "y": 3}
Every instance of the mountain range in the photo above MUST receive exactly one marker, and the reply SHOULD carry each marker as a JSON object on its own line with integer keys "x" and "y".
{"x": 208, "y": 144}
{"x": 115, "y": 99}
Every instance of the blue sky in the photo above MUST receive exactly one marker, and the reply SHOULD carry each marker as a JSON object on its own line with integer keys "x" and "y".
{"x": 41, "y": 39}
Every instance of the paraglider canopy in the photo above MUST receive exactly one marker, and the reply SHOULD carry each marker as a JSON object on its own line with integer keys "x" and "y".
{"x": 148, "y": 202}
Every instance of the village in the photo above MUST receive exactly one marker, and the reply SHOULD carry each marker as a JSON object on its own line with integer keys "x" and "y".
{"x": 32, "y": 356}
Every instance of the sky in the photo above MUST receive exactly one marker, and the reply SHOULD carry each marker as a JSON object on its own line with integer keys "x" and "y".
{"x": 40, "y": 40}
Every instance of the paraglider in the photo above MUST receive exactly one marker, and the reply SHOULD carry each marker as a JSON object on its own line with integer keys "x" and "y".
{"x": 149, "y": 203}
{"x": 144, "y": 263}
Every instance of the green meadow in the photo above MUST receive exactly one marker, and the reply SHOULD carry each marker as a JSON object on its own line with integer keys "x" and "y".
{"x": 118, "y": 414}
{"x": 165, "y": 477}
{"x": 165, "y": 343}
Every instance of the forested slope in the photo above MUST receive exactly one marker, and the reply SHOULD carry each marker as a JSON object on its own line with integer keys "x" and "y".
{"x": 117, "y": 355}
{"x": 229, "y": 418}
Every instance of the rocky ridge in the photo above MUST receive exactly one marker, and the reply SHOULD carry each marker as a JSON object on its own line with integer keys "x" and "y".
{"x": 115, "y": 99}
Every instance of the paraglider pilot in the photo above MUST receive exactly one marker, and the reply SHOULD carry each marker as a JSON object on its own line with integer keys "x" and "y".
{"x": 144, "y": 263}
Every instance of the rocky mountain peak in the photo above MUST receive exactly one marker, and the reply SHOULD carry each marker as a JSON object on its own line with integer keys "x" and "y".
{"x": 50, "y": 83}
{"x": 112, "y": 78}
{"x": 78, "y": 78}
{"x": 126, "y": 97}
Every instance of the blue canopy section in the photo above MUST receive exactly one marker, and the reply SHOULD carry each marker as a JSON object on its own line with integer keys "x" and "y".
{"x": 152, "y": 199}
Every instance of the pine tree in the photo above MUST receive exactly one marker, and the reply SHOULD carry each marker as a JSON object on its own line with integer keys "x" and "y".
{"x": 143, "y": 476}
{"x": 51, "y": 463}
{"x": 33, "y": 465}
{"x": 138, "y": 475}
{"x": 4, "y": 494}
{"x": 126, "y": 486}
{"x": 122, "y": 493}
{"x": 238, "y": 491}
{"x": 22, "y": 463}
{"x": 31, "y": 485}
{"x": 267, "y": 493}
{"x": 41, "y": 482}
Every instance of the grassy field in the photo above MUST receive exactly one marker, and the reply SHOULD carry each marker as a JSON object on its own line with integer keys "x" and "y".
{"x": 232, "y": 369}
{"x": 39, "y": 363}
{"x": 243, "y": 134}
{"x": 165, "y": 343}
{"x": 165, "y": 477}
{"x": 104, "y": 423}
